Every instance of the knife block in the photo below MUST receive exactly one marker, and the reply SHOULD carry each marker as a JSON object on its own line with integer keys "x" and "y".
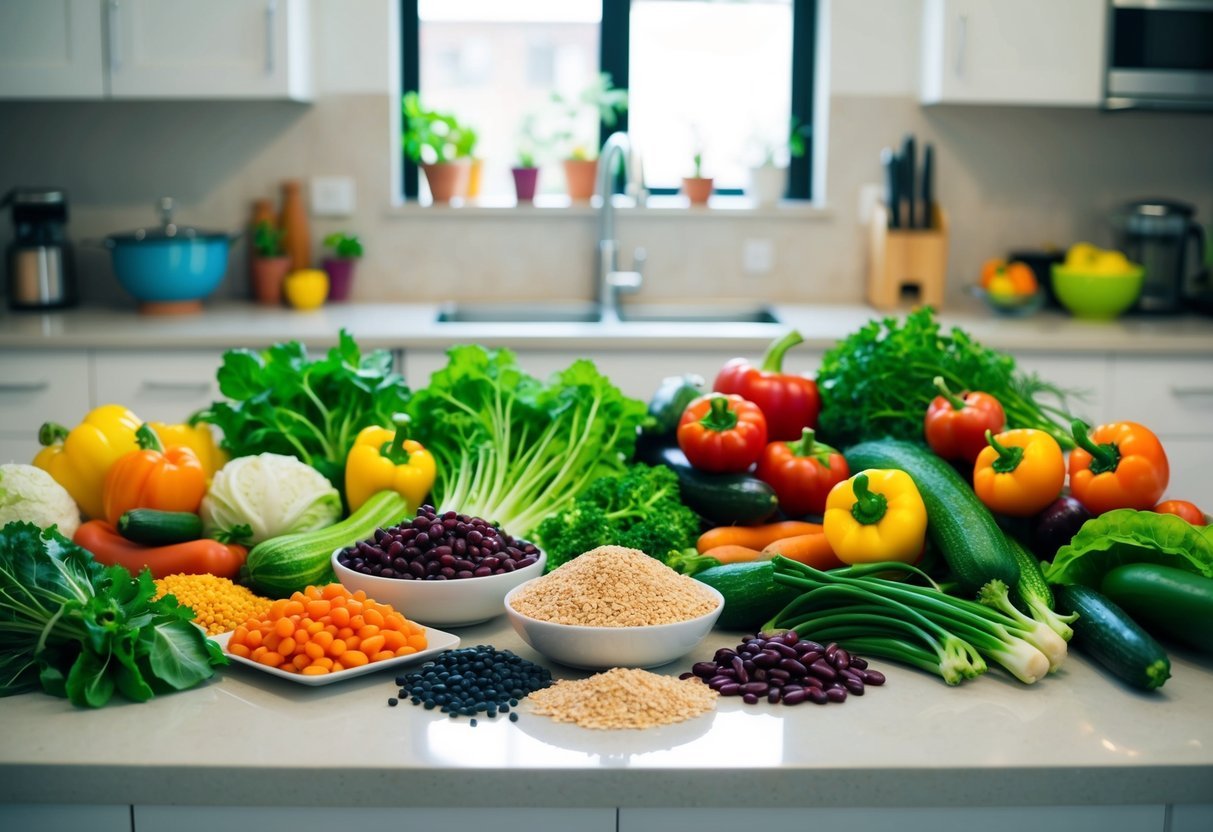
{"x": 907, "y": 265}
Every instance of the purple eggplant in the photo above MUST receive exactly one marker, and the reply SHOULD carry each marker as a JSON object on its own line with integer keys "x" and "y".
{"x": 1056, "y": 526}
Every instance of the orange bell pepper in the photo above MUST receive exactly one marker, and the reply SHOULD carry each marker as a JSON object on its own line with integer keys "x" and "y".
{"x": 1119, "y": 465}
{"x": 1019, "y": 472}
{"x": 153, "y": 477}
{"x": 998, "y": 277}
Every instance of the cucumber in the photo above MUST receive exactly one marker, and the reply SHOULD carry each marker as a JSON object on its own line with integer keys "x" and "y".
{"x": 671, "y": 398}
{"x": 959, "y": 525}
{"x": 1107, "y": 634}
{"x": 159, "y": 528}
{"x": 292, "y": 562}
{"x": 721, "y": 499}
{"x": 1170, "y": 602}
{"x": 751, "y": 595}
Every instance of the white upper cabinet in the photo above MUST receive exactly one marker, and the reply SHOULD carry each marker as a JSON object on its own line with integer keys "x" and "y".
{"x": 155, "y": 49}
{"x": 51, "y": 49}
{"x": 1031, "y": 52}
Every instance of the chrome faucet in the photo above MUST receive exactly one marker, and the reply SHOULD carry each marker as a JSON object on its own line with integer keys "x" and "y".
{"x": 610, "y": 281}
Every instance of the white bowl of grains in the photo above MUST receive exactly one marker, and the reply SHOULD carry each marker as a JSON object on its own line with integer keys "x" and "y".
{"x": 613, "y": 607}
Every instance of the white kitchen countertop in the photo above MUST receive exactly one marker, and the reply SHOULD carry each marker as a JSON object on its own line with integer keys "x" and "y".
{"x": 245, "y": 738}
{"x": 231, "y": 324}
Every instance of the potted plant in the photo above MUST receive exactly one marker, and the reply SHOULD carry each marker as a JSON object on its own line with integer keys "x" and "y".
{"x": 441, "y": 146}
{"x": 697, "y": 187}
{"x": 526, "y": 171}
{"x": 270, "y": 264}
{"x": 581, "y": 159}
{"x": 346, "y": 249}
{"x": 769, "y": 178}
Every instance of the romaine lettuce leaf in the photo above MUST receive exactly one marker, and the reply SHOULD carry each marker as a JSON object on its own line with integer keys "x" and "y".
{"x": 1128, "y": 536}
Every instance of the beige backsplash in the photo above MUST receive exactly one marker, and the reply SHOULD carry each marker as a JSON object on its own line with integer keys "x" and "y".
{"x": 1009, "y": 177}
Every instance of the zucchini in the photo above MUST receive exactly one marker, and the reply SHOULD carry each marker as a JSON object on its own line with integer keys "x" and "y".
{"x": 292, "y": 562}
{"x": 1107, "y": 634}
{"x": 959, "y": 525}
{"x": 1170, "y": 602}
{"x": 672, "y": 397}
{"x": 159, "y": 528}
{"x": 721, "y": 499}
{"x": 751, "y": 595}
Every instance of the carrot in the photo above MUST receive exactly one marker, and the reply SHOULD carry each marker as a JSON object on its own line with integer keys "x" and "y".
{"x": 753, "y": 537}
{"x": 194, "y": 557}
{"x": 732, "y": 553}
{"x": 812, "y": 549}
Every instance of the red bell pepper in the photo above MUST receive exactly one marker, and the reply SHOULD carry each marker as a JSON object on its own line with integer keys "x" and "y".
{"x": 1119, "y": 465}
{"x": 955, "y": 426}
{"x": 802, "y": 473}
{"x": 789, "y": 401}
{"x": 722, "y": 434}
{"x": 1182, "y": 508}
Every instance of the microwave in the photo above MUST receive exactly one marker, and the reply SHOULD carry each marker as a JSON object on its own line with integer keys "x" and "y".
{"x": 1159, "y": 55}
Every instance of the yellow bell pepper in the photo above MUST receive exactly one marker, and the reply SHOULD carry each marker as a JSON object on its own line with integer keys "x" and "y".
{"x": 876, "y": 515}
{"x": 382, "y": 459}
{"x": 198, "y": 438}
{"x": 80, "y": 458}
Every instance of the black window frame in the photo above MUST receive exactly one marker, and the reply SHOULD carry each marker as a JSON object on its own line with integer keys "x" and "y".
{"x": 614, "y": 33}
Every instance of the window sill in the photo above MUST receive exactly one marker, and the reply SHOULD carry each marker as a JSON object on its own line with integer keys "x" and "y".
{"x": 657, "y": 207}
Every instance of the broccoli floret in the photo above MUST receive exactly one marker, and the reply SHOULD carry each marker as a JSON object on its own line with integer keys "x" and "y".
{"x": 640, "y": 509}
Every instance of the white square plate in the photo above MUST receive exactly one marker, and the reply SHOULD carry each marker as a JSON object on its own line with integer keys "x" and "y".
{"x": 438, "y": 641}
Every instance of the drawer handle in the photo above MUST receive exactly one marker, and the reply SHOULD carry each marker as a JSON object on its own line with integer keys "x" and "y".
{"x": 192, "y": 387}
{"x": 24, "y": 387}
{"x": 1191, "y": 392}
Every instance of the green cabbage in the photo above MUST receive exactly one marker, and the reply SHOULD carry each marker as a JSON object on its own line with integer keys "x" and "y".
{"x": 254, "y": 498}
{"x": 1127, "y": 536}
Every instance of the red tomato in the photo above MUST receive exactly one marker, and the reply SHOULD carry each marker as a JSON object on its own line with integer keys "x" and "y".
{"x": 722, "y": 434}
{"x": 1182, "y": 508}
{"x": 955, "y": 426}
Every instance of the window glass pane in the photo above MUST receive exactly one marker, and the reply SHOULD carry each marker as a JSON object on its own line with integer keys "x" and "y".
{"x": 494, "y": 63}
{"x": 713, "y": 77}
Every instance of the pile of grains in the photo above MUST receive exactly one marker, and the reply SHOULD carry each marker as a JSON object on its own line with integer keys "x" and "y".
{"x": 613, "y": 587}
{"x": 473, "y": 680}
{"x": 623, "y": 698}
{"x": 218, "y": 604}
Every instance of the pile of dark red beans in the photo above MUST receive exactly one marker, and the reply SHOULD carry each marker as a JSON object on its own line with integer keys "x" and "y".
{"x": 439, "y": 547}
{"x": 782, "y": 668}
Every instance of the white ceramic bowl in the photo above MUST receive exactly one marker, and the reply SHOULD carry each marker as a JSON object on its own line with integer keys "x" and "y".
{"x": 597, "y": 648}
{"x": 459, "y": 603}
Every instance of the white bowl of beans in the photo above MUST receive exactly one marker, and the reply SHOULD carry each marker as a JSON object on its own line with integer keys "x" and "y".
{"x": 441, "y": 569}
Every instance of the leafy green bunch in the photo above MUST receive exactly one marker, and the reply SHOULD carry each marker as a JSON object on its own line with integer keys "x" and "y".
{"x": 267, "y": 240}
{"x": 344, "y": 246}
{"x": 879, "y": 381}
{"x": 281, "y": 400}
{"x": 640, "y": 509}
{"x": 513, "y": 449}
{"x": 83, "y": 631}
{"x": 431, "y": 136}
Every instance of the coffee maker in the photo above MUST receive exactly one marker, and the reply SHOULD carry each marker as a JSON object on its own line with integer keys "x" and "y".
{"x": 40, "y": 267}
{"x": 1163, "y": 236}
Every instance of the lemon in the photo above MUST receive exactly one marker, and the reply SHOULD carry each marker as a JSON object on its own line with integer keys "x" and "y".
{"x": 307, "y": 288}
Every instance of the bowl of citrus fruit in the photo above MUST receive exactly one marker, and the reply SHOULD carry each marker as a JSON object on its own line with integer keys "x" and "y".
{"x": 1010, "y": 288}
{"x": 1096, "y": 284}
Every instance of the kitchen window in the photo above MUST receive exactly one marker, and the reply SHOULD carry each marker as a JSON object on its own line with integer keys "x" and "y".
{"x": 724, "y": 79}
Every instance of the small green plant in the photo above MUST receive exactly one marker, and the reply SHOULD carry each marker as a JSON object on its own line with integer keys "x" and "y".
{"x": 267, "y": 240}
{"x": 793, "y": 147}
{"x": 430, "y": 136}
{"x": 344, "y": 246}
{"x": 603, "y": 98}
{"x": 697, "y": 160}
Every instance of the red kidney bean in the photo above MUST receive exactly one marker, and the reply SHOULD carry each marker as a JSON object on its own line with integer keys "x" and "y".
{"x": 790, "y": 637}
{"x": 759, "y": 675}
{"x": 773, "y": 696}
{"x": 749, "y": 699}
{"x": 809, "y": 657}
{"x": 723, "y": 656}
{"x": 813, "y": 682}
{"x": 842, "y": 659}
{"x": 739, "y": 669}
{"x": 704, "y": 670}
{"x": 729, "y": 689}
{"x": 822, "y": 669}
{"x": 783, "y": 650}
{"x": 755, "y": 687}
{"x": 856, "y": 661}
{"x": 794, "y": 697}
{"x": 793, "y": 666}
{"x": 684, "y": 676}
{"x": 815, "y": 646}
{"x": 854, "y": 686}
{"x": 836, "y": 694}
{"x": 748, "y": 664}
{"x": 775, "y": 674}
{"x": 767, "y": 658}
{"x": 716, "y": 682}
{"x": 818, "y": 696}
{"x": 846, "y": 673}
{"x": 831, "y": 649}
{"x": 873, "y": 677}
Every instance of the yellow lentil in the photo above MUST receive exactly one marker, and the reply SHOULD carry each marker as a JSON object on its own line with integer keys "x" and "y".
{"x": 218, "y": 604}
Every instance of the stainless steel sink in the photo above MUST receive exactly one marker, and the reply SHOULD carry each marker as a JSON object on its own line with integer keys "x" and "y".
{"x": 542, "y": 312}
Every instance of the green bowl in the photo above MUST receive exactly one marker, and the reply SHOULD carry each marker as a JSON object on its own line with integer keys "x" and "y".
{"x": 1099, "y": 297}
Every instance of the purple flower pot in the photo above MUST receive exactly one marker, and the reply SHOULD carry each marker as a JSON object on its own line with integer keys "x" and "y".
{"x": 525, "y": 181}
{"x": 341, "y": 275}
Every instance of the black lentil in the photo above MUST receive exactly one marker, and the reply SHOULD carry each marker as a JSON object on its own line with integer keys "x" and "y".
{"x": 392, "y": 701}
{"x": 434, "y": 547}
{"x": 473, "y": 680}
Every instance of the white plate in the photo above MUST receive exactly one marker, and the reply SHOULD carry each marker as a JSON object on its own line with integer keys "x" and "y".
{"x": 437, "y": 640}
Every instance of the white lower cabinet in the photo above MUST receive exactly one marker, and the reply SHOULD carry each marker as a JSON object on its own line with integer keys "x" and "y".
{"x": 48, "y": 818}
{"x": 312, "y": 819}
{"x": 1191, "y": 817}
{"x": 158, "y": 387}
{"x": 39, "y": 386}
{"x": 961, "y": 819}
{"x": 1088, "y": 378}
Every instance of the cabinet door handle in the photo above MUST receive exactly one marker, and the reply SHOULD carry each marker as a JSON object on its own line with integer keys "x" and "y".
{"x": 271, "y": 14}
{"x": 114, "y": 43}
{"x": 962, "y": 43}
{"x": 192, "y": 387}
{"x": 24, "y": 386}
{"x": 1192, "y": 392}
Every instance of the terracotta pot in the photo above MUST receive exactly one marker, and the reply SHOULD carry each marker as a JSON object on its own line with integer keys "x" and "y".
{"x": 579, "y": 177}
{"x": 447, "y": 180}
{"x": 268, "y": 275}
{"x": 697, "y": 189}
{"x": 526, "y": 180}
{"x": 341, "y": 275}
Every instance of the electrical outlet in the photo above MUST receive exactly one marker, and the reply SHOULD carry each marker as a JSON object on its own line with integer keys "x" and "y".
{"x": 333, "y": 196}
{"x": 757, "y": 256}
